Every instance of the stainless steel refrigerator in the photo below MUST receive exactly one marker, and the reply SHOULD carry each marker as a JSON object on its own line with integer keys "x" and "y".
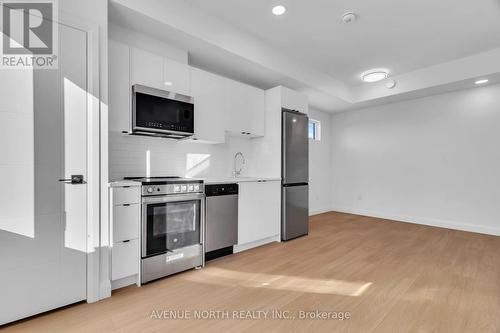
{"x": 295, "y": 175}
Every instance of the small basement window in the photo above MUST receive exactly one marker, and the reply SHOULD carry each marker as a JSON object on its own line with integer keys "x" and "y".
{"x": 314, "y": 130}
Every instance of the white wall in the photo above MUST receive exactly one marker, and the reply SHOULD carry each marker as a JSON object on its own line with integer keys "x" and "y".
{"x": 433, "y": 160}
{"x": 320, "y": 165}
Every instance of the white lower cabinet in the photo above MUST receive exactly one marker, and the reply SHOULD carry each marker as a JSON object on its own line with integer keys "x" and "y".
{"x": 259, "y": 211}
{"x": 126, "y": 195}
{"x": 125, "y": 222}
{"x": 125, "y": 259}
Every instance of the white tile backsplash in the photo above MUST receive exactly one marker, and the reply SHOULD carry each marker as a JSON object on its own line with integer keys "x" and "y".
{"x": 128, "y": 156}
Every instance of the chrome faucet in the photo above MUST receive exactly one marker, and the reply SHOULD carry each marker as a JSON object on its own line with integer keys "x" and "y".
{"x": 237, "y": 172}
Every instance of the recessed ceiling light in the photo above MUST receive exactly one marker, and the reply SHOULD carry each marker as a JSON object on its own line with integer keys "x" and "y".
{"x": 374, "y": 75}
{"x": 482, "y": 81}
{"x": 168, "y": 83}
{"x": 349, "y": 17}
{"x": 279, "y": 10}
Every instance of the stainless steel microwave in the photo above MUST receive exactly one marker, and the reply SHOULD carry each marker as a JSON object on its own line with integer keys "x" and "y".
{"x": 161, "y": 113}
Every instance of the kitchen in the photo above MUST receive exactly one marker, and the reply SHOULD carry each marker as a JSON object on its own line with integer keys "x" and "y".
{"x": 213, "y": 132}
{"x": 179, "y": 167}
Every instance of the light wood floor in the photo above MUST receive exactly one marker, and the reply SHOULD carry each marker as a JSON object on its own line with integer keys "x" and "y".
{"x": 390, "y": 276}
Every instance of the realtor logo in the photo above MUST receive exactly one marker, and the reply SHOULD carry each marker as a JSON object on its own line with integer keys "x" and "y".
{"x": 29, "y": 34}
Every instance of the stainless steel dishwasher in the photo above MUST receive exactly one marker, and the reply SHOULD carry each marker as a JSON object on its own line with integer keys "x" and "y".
{"x": 221, "y": 219}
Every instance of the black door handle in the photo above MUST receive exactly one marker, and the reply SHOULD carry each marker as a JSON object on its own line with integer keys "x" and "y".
{"x": 75, "y": 179}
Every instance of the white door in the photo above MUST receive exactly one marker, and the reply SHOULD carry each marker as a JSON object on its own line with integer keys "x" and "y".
{"x": 43, "y": 222}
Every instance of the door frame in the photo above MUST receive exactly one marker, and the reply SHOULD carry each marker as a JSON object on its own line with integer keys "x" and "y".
{"x": 97, "y": 279}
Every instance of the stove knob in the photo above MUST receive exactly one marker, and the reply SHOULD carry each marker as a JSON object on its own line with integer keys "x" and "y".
{"x": 150, "y": 190}
{"x": 190, "y": 188}
{"x": 177, "y": 188}
{"x": 184, "y": 188}
{"x": 197, "y": 188}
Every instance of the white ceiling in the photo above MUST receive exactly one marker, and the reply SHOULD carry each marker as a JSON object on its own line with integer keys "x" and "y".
{"x": 399, "y": 35}
{"x": 428, "y": 45}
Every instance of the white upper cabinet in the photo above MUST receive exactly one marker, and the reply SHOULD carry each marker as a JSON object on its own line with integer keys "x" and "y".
{"x": 119, "y": 87}
{"x": 176, "y": 77}
{"x": 155, "y": 71}
{"x": 294, "y": 100}
{"x": 147, "y": 69}
{"x": 207, "y": 90}
{"x": 244, "y": 109}
{"x": 222, "y": 106}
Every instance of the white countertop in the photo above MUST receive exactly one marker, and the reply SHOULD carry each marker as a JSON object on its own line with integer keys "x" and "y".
{"x": 121, "y": 183}
{"x": 227, "y": 180}
{"x": 221, "y": 180}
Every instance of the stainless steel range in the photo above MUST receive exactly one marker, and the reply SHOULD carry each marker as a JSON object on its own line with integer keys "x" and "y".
{"x": 172, "y": 226}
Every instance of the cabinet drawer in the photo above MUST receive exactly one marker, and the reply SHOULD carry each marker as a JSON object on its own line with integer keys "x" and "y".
{"x": 126, "y": 195}
{"x": 126, "y": 221}
{"x": 125, "y": 259}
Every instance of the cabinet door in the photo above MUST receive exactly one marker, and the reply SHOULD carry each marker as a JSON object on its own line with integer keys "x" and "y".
{"x": 147, "y": 69}
{"x": 176, "y": 77}
{"x": 125, "y": 259}
{"x": 256, "y": 111}
{"x": 259, "y": 211}
{"x": 119, "y": 87}
{"x": 126, "y": 195}
{"x": 236, "y": 107}
{"x": 126, "y": 221}
{"x": 208, "y": 94}
{"x": 245, "y": 109}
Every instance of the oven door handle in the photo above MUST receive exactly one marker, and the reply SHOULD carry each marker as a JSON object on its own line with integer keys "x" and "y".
{"x": 172, "y": 198}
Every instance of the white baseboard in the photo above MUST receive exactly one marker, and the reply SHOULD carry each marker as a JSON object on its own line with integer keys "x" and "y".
{"x": 481, "y": 229}
{"x": 260, "y": 242}
{"x": 319, "y": 211}
{"x": 126, "y": 281}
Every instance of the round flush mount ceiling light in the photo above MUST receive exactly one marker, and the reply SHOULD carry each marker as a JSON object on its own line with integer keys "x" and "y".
{"x": 482, "y": 81}
{"x": 374, "y": 75}
{"x": 349, "y": 17}
{"x": 279, "y": 10}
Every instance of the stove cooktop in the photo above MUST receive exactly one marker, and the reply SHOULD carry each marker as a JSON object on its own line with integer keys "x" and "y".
{"x": 164, "y": 180}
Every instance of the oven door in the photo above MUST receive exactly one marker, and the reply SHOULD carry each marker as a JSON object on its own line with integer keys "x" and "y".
{"x": 170, "y": 223}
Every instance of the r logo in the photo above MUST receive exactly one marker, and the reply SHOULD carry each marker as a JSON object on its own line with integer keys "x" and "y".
{"x": 27, "y": 27}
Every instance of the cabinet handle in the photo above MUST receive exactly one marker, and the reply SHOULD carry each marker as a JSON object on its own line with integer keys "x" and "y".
{"x": 126, "y": 205}
{"x": 126, "y": 241}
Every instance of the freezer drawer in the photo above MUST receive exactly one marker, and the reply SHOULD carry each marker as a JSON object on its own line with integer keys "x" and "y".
{"x": 295, "y": 211}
